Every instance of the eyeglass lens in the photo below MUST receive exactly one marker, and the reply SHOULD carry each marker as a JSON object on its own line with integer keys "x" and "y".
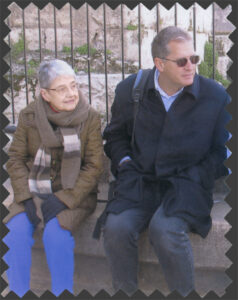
{"x": 183, "y": 61}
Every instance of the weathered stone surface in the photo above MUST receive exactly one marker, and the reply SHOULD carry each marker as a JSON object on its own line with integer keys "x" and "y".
{"x": 113, "y": 23}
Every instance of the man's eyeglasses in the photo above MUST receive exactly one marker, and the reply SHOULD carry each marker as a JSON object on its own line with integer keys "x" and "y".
{"x": 62, "y": 90}
{"x": 181, "y": 62}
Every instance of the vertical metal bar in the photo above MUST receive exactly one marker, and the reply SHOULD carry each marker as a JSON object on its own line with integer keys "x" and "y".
{"x": 122, "y": 43}
{"x": 24, "y": 43}
{"x": 194, "y": 27}
{"x": 139, "y": 35}
{"x": 88, "y": 43}
{"x": 105, "y": 56}
{"x": 157, "y": 18}
{"x": 55, "y": 29}
{"x": 39, "y": 26}
{"x": 213, "y": 39}
{"x": 71, "y": 35}
{"x": 11, "y": 76}
{"x": 175, "y": 15}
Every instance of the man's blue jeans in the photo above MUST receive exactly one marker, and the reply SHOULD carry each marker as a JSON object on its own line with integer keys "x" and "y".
{"x": 59, "y": 248}
{"x": 169, "y": 237}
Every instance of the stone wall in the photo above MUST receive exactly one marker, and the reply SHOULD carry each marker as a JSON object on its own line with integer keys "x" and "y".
{"x": 96, "y": 38}
{"x": 113, "y": 27}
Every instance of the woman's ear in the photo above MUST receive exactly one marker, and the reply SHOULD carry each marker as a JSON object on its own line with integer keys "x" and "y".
{"x": 159, "y": 63}
{"x": 44, "y": 94}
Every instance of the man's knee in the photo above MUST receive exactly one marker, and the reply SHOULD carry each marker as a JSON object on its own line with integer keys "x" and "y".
{"x": 167, "y": 232}
{"x": 158, "y": 231}
{"x": 118, "y": 229}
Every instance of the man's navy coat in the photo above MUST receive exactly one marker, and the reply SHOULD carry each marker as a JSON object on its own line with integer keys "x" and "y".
{"x": 176, "y": 155}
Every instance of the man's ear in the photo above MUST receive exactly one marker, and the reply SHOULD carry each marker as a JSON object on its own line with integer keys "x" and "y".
{"x": 159, "y": 63}
{"x": 44, "y": 94}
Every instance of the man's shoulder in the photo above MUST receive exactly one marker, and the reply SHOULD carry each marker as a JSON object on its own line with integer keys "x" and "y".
{"x": 126, "y": 84}
{"x": 211, "y": 85}
{"x": 213, "y": 90}
{"x": 124, "y": 88}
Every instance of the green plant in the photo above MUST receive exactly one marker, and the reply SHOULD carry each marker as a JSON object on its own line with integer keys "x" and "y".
{"x": 109, "y": 52}
{"x": 18, "y": 47}
{"x": 130, "y": 26}
{"x": 206, "y": 67}
{"x": 31, "y": 72}
{"x": 33, "y": 63}
{"x": 66, "y": 49}
{"x": 83, "y": 50}
{"x": 208, "y": 54}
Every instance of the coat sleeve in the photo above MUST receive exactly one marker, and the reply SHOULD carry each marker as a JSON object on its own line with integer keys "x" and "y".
{"x": 118, "y": 132}
{"x": 16, "y": 165}
{"x": 212, "y": 165}
{"x": 91, "y": 169}
{"x": 218, "y": 153}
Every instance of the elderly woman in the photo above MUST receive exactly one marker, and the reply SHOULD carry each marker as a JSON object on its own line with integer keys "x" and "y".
{"x": 55, "y": 161}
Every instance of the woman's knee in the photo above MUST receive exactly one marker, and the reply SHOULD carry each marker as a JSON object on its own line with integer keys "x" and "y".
{"x": 19, "y": 226}
{"x": 56, "y": 236}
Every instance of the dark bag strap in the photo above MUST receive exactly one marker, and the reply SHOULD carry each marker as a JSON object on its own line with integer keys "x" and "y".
{"x": 137, "y": 95}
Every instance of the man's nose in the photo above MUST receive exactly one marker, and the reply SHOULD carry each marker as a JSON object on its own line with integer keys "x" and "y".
{"x": 189, "y": 65}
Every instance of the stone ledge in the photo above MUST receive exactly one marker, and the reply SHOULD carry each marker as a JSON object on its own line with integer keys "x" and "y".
{"x": 208, "y": 253}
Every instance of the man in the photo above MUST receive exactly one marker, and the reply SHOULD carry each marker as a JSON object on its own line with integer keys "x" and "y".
{"x": 165, "y": 179}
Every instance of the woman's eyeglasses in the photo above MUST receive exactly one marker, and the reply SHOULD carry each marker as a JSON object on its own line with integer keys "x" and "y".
{"x": 63, "y": 90}
{"x": 181, "y": 62}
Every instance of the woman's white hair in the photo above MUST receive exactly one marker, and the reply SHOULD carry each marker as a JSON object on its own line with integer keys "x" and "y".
{"x": 50, "y": 69}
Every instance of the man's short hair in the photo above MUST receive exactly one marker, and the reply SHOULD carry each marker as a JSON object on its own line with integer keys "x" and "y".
{"x": 159, "y": 45}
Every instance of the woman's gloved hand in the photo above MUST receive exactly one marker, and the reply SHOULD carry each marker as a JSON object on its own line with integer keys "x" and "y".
{"x": 51, "y": 206}
{"x": 30, "y": 209}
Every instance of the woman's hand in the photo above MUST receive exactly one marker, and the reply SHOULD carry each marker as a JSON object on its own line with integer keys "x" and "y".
{"x": 30, "y": 209}
{"x": 51, "y": 206}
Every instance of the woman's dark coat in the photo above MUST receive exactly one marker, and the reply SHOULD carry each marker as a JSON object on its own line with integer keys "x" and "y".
{"x": 176, "y": 155}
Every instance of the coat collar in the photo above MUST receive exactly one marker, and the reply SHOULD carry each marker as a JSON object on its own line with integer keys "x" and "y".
{"x": 192, "y": 89}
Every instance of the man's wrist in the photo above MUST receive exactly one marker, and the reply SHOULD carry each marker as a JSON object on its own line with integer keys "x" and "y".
{"x": 124, "y": 159}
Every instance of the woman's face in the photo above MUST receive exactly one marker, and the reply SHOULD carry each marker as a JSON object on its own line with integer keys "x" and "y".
{"x": 62, "y": 94}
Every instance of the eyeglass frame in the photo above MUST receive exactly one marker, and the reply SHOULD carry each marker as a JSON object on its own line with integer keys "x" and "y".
{"x": 176, "y": 61}
{"x": 57, "y": 91}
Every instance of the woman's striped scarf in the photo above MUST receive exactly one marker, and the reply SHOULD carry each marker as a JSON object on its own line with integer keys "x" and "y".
{"x": 66, "y": 135}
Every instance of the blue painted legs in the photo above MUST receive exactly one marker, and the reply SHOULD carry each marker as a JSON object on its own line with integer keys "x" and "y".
{"x": 59, "y": 248}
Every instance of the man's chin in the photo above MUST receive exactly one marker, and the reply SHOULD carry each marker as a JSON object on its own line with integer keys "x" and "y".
{"x": 188, "y": 81}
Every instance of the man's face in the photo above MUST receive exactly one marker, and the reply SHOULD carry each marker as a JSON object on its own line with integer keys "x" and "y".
{"x": 174, "y": 75}
{"x": 62, "y": 94}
